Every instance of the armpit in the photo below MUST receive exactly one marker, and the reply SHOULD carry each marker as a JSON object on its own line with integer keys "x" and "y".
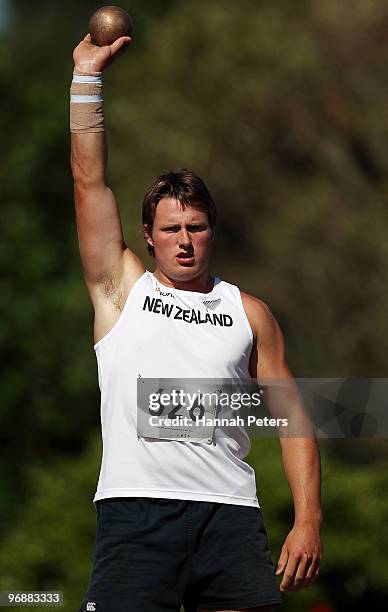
{"x": 111, "y": 290}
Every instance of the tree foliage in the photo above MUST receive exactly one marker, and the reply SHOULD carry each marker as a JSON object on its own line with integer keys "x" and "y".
{"x": 281, "y": 108}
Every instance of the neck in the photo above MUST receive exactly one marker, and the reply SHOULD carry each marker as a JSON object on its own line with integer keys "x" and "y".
{"x": 201, "y": 284}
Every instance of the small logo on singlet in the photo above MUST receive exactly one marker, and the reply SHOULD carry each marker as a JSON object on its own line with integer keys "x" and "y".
{"x": 91, "y": 606}
{"x": 166, "y": 294}
{"x": 212, "y": 304}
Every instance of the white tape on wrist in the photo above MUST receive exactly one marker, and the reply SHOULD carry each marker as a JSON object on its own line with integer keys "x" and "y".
{"x": 87, "y": 78}
{"x": 86, "y": 103}
{"x": 86, "y": 99}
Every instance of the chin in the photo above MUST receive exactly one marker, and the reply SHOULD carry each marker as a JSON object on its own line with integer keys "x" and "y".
{"x": 185, "y": 272}
{"x": 181, "y": 272}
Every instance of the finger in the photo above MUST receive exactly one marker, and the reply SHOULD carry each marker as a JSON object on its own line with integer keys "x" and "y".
{"x": 121, "y": 43}
{"x": 313, "y": 568}
{"x": 301, "y": 571}
{"x": 289, "y": 574}
{"x": 282, "y": 562}
{"x": 312, "y": 572}
{"x": 88, "y": 38}
{"x": 287, "y": 581}
{"x": 313, "y": 579}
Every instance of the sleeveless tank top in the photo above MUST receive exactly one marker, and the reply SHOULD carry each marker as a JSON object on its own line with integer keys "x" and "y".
{"x": 165, "y": 332}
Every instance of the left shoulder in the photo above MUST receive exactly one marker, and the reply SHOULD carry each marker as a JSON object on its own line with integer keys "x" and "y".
{"x": 260, "y": 317}
{"x": 269, "y": 346}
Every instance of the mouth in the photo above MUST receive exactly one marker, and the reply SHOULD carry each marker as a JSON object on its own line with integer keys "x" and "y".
{"x": 185, "y": 259}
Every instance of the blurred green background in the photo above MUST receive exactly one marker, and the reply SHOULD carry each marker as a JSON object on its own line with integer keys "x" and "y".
{"x": 282, "y": 108}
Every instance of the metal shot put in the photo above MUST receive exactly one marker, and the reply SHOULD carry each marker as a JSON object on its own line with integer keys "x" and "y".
{"x": 108, "y": 23}
{"x": 178, "y": 518}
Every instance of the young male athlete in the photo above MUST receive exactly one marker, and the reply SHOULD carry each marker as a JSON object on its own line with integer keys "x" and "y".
{"x": 178, "y": 522}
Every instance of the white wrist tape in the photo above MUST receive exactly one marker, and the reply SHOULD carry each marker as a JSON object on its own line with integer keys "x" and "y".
{"x": 86, "y": 103}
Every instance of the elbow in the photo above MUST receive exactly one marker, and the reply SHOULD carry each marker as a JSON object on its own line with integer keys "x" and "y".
{"x": 78, "y": 170}
{"x": 85, "y": 177}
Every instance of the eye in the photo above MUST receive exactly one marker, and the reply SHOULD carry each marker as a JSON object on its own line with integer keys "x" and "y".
{"x": 196, "y": 228}
{"x": 172, "y": 228}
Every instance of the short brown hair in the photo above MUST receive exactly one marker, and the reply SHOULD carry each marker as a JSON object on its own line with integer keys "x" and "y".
{"x": 184, "y": 186}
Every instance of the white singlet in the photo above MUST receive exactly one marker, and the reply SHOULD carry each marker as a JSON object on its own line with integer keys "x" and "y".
{"x": 165, "y": 332}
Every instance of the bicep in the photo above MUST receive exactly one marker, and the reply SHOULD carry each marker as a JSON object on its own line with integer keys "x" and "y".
{"x": 282, "y": 394}
{"x": 268, "y": 351}
{"x": 100, "y": 234}
{"x": 110, "y": 267}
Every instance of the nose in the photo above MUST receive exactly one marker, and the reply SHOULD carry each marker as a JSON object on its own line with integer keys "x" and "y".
{"x": 184, "y": 238}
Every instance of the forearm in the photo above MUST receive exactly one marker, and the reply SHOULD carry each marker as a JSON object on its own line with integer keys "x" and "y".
{"x": 88, "y": 158}
{"x": 300, "y": 450}
{"x": 302, "y": 465}
{"x": 88, "y": 139}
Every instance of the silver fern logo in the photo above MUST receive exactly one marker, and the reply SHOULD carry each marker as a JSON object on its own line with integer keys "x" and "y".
{"x": 212, "y": 304}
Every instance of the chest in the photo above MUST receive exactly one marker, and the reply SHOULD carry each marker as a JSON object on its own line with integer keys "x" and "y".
{"x": 209, "y": 335}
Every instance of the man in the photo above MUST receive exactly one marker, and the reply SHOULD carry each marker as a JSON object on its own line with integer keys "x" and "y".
{"x": 178, "y": 522}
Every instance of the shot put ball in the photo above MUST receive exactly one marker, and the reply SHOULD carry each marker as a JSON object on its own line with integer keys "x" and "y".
{"x": 109, "y": 23}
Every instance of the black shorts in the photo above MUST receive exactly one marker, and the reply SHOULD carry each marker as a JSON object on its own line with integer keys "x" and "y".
{"x": 155, "y": 554}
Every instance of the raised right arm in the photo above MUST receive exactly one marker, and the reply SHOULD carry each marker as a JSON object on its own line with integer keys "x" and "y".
{"x": 110, "y": 268}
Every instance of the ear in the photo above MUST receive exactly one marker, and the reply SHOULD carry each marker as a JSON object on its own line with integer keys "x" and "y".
{"x": 213, "y": 233}
{"x": 147, "y": 235}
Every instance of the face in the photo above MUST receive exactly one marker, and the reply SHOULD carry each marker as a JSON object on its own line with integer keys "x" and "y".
{"x": 182, "y": 240}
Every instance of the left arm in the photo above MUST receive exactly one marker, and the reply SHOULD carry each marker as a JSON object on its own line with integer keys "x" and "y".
{"x": 302, "y": 550}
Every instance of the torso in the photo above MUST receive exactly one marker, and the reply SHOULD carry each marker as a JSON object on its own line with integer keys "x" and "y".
{"x": 166, "y": 334}
{"x": 109, "y": 306}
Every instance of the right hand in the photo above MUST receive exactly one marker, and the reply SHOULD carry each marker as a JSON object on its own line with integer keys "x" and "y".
{"x": 91, "y": 58}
